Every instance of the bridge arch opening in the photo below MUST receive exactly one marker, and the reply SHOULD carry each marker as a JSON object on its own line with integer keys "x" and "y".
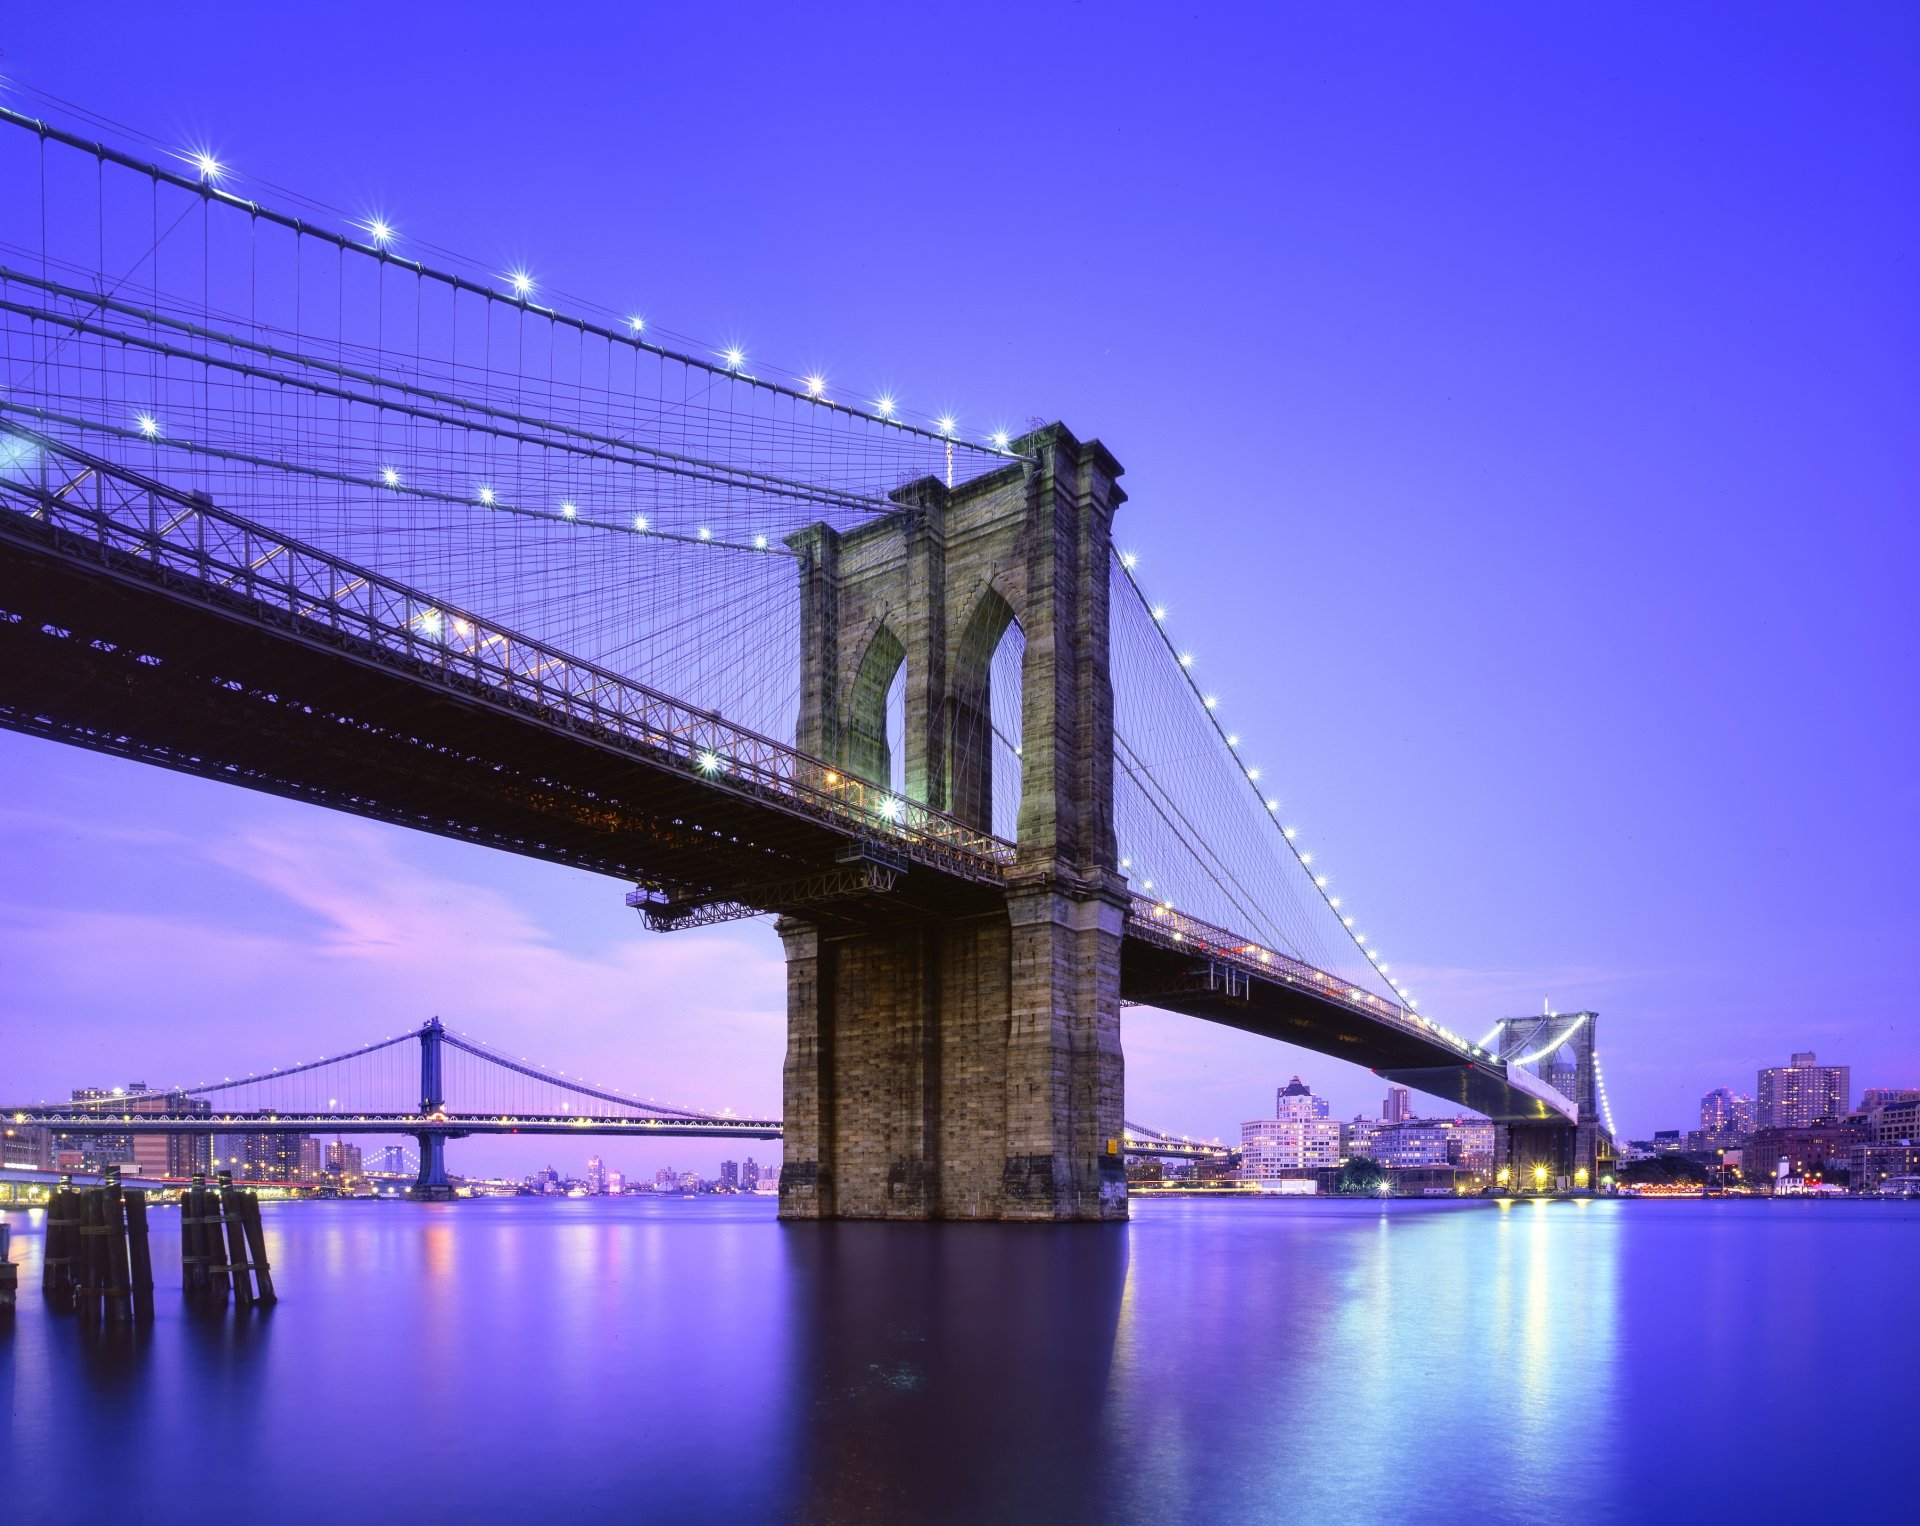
{"x": 872, "y": 745}
{"x": 987, "y": 744}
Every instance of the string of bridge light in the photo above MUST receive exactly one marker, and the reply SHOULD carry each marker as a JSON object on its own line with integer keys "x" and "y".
{"x": 519, "y": 284}
{"x": 1210, "y": 705}
{"x": 1600, "y": 1085}
{"x": 147, "y": 427}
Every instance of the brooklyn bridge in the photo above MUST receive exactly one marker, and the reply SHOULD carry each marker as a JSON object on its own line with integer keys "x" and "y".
{"x": 285, "y": 506}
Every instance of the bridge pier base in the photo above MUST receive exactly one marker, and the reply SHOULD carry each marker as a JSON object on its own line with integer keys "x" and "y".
{"x": 965, "y": 1070}
{"x": 431, "y": 1186}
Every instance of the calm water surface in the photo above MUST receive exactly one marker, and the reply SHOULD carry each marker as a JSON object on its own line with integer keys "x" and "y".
{"x": 630, "y": 1360}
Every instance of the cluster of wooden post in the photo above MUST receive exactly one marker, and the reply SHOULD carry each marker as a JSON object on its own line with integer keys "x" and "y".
{"x": 222, "y": 1245}
{"x": 97, "y": 1263}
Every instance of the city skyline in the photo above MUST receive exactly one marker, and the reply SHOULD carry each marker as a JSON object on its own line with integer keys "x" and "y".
{"x": 1613, "y": 862}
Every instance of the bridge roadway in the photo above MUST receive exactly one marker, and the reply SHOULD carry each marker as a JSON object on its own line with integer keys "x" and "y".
{"x": 143, "y": 622}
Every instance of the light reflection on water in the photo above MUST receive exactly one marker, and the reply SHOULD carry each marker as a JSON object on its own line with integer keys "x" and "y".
{"x": 1227, "y": 1361}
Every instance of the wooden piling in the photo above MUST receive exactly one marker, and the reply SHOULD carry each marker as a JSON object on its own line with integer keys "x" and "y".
{"x": 257, "y": 1247}
{"x": 90, "y": 1259}
{"x": 243, "y": 1292}
{"x": 193, "y": 1269}
{"x": 212, "y": 1246}
{"x": 141, "y": 1257}
{"x": 117, "y": 1283}
{"x": 57, "y": 1265}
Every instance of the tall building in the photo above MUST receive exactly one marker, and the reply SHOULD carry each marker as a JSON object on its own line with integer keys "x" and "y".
{"x": 750, "y": 1174}
{"x": 24, "y": 1147}
{"x": 616, "y": 1183}
{"x": 1300, "y": 1137}
{"x": 344, "y": 1159}
{"x": 1296, "y": 1100}
{"x": 596, "y": 1175}
{"x": 1802, "y": 1094}
{"x": 1399, "y": 1105}
{"x": 730, "y": 1175}
{"x": 1273, "y": 1148}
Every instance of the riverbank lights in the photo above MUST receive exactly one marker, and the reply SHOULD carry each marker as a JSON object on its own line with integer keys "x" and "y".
{"x": 1539, "y": 1175}
{"x": 1580, "y": 1177}
{"x": 1504, "y": 1175}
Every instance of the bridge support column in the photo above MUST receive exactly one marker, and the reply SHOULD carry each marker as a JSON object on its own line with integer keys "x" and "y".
{"x": 431, "y": 1186}
{"x": 967, "y": 1066}
{"x": 967, "y": 1070}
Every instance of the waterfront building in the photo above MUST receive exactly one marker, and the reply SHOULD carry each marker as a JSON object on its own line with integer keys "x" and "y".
{"x": 616, "y": 1183}
{"x": 1411, "y": 1144}
{"x": 1272, "y": 1149}
{"x": 750, "y": 1175}
{"x": 1802, "y": 1094}
{"x": 173, "y": 1156}
{"x": 1872, "y": 1166}
{"x": 1399, "y": 1105}
{"x": 596, "y": 1175}
{"x": 1299, "y": 1138}
{"x": 344, "y": 1159}
{"x": 1471, "y": 1144}
{"x": 1815, "y": 1150}
{"x": 25, "y": 1147}
{"x": 729, "y": 1176}
{"x": 1668, "y": 1142}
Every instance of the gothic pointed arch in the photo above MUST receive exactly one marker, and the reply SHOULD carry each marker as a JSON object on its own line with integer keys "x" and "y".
{"x": 863, "y": 740}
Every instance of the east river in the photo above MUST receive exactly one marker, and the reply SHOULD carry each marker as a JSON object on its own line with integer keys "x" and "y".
{"x": 1213, "y": 1361}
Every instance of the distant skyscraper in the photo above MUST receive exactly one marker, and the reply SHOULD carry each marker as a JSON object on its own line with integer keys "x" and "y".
{"x": 750, "y": 1174}
{"x": 1296, "y": 1100}
{"x": 730, "y": 1175}
{"x": 1724, "y": 1112}
{"x": 1399, "y": 1105}
{"x": 596, "y": 1175}
{"x": 616, "y": 1183}
{"x": 1799, "y": 1095}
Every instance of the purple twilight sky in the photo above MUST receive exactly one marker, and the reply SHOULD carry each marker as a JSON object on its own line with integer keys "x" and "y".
{"x": 1519, "y": 406}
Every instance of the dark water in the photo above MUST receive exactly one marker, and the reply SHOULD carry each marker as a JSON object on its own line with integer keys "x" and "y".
{"x": 633, "y": 1360}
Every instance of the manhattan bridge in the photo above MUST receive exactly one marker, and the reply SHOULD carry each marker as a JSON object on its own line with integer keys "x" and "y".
{"x": 292, "y": 503}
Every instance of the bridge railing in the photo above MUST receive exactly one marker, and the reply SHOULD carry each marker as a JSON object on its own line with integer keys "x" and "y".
{"x": 1158, "y": 923}
{"x": 123, "y": 517}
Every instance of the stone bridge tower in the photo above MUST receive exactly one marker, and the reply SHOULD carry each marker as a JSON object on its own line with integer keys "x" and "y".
{"x": 967, "y": 1068}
